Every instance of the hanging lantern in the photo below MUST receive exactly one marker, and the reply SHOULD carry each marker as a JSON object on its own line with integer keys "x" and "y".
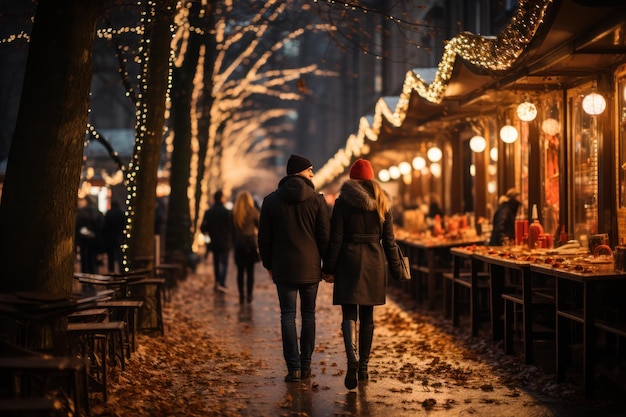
{"x": 493, "y": 154}
{"x": 383, "y": 175}
{"x": 477, "y": 144}
{"x": 435, "y": 170}
{"x": 527, "y": 111}
{"x": 394, "y": 172}
{"x": 551, "y": 127}
{"x": 594, "y": 104}
{"x": 508, "y": 134}
{"x": 418, "y": 163}
{"x": 405, "y": 168}
{"x": 434, "y": 154}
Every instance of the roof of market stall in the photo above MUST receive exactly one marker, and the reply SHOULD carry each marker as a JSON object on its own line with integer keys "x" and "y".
{"x": 547, "y": 45}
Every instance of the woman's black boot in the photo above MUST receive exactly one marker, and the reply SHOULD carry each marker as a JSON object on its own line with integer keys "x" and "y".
{"x": 348, "y": 328}
{"x": 366, "y": 335}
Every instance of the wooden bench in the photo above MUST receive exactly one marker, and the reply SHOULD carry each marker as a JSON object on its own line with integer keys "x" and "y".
{"x": 421, "y": 274}
{"x": 531, "y": 330}
{"x": 475, "y": 290}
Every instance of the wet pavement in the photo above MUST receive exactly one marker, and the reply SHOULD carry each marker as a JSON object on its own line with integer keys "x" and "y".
{"x": 416, "y": 369}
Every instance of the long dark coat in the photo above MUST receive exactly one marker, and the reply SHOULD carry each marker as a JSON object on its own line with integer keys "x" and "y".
{"x": 293, "y": 232}
{"x": 504, "y": 222}
{"x": 218, "y": 224}
{"x": 360, "y": 245}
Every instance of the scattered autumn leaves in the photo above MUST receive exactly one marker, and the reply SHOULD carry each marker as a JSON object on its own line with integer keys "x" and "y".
{"x": 195, "y": 371}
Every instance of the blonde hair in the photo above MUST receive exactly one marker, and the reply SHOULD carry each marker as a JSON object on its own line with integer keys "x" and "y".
{"x": 244, "y": 204}
{"x": 382, "y": 202}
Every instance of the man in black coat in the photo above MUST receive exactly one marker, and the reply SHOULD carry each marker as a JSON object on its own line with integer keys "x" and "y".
{"x": 218, "y": 224}
{"x": 294, "y": 231}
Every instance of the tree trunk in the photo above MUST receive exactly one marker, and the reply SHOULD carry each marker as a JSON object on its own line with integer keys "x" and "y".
{"x": 150, "y": 130}
{"x": 39, "y": 199}
{"x": 178, "y": 240}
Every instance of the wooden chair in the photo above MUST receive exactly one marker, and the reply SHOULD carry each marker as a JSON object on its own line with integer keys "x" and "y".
{"x": 100, "y": 343}
{"x": 50, "y": 385}
{"x": 151, "y": 292}
{"x": 126, "y": 311}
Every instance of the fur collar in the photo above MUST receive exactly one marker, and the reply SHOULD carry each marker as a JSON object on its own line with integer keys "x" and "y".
{"x": 359, "y": 194}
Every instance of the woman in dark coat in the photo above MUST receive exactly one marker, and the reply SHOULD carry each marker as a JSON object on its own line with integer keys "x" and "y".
{"x": 246, "y": 220}
{"x": 361, "y": 241}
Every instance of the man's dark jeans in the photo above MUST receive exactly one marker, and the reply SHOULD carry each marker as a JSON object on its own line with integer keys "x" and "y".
{"x": 220, "y": 266}
{"x": 296, "y": 356}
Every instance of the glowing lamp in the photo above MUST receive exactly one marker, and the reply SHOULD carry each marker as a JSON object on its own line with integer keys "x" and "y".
{"x": 405, "y": 168}
{"x": 594, "y": 104}
{"x": 551, "y": 127}
{"x": 493, "y": 154}
{"x": 435, "y": 170}
{"x": 434, "y": 154}
{"x": 383, "y": 175}
{"x": 477, "y": 144}
{"x": 508, "y": 134}
{"x": 418, "y": 163}
{"x": 394, "y": 172}
{"x": 526, "y": 111}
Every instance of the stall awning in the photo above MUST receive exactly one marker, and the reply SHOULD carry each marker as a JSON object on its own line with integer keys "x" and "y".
{"x": 549, "y": 44}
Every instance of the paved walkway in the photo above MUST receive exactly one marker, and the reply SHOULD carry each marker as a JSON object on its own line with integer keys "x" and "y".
{"x": 415, "y": 369}
{"x": 228, "y": 359}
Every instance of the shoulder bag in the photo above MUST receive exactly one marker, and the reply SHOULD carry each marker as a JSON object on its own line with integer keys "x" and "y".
{"x": 406, "y": 265}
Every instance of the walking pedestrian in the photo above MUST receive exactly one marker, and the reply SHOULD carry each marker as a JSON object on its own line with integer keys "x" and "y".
{"x": 112, "y": 231}
{"x": 246, "y": 220}
{"x": 361, "y": 241}
{"x": 89, "y": 235}
{"x": 217, "y": 222}
{"x": 294, "y": 230}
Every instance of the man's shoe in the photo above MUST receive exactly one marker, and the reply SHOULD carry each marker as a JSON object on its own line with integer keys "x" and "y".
{"x": 305, "y": 373}
{"x": 292, "y": 376}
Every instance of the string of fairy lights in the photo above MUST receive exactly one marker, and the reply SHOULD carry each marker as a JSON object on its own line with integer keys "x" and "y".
{"x": 487, "y": 53}
{"x": 491, "y": 54}
{"x": 141, "y": 113}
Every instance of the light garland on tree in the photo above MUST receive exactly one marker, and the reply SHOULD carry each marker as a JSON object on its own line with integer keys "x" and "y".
{"x": 141, "y": 114}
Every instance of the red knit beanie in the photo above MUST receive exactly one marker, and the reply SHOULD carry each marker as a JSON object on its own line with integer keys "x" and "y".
{"x": 361, "y": 170}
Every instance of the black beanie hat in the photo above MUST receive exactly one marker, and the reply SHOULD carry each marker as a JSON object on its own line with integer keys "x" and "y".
{"x": 297, "y": 164}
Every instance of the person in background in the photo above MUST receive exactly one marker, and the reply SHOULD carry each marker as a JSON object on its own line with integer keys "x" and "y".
{"x": 246, "y": 220}
{"x": 294, "y": 230}
{"x": 434, "y": 206}
{"x": 217, "y": 222}
{"x": 89, "y": 235}
{"x": 112, "y": 232}
{"x": 361, "y": 246}
{"x": 504, "y": 218}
